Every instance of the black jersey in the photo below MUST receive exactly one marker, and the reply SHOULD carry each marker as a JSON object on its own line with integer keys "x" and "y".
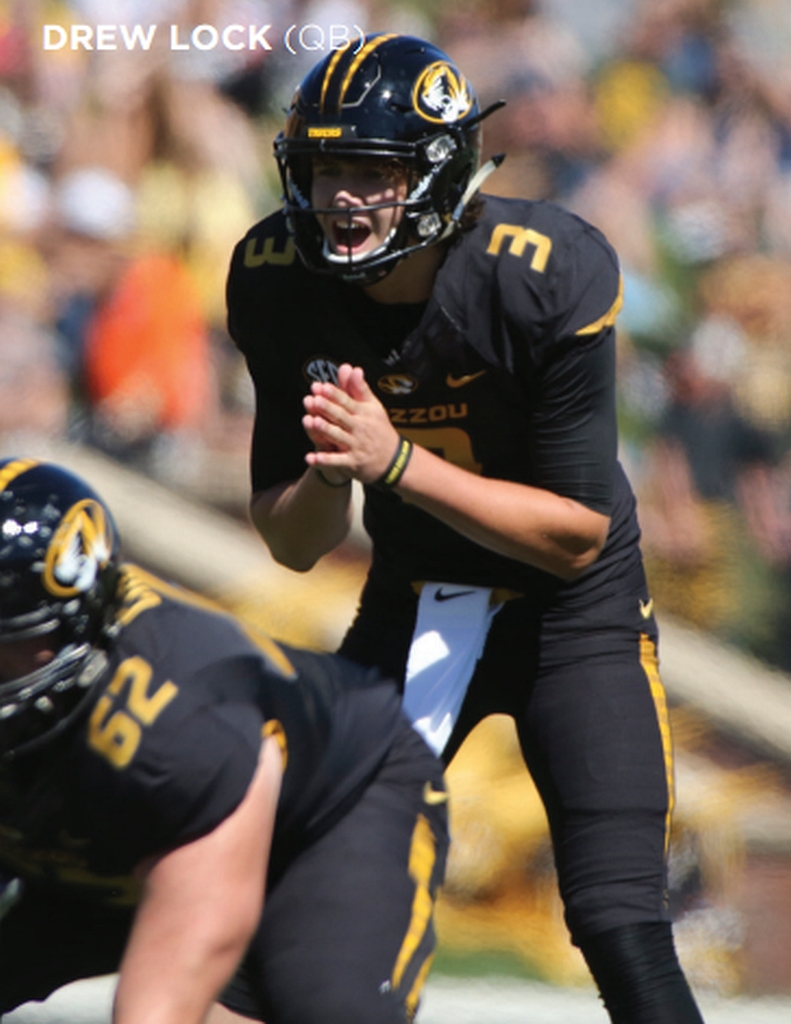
{"x": 170, "y": 744}
{"x": 508, "y": 371}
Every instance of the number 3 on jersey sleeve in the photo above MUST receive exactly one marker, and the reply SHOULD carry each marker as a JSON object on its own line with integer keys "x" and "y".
{"x": 116, "y": 734}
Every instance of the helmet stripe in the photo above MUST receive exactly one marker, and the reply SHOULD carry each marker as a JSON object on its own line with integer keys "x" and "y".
{"x": 330, "y": 71}
{"x": 15, "y": 469}
{"x": 360, "y": 57}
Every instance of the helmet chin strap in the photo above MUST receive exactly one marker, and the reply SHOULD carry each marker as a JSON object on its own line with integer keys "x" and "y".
{"x": 474, "y": 185}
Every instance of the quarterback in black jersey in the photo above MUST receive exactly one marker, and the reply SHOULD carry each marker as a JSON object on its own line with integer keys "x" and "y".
{"x": 214, "y": 815}
{"x": 455, "y": 353}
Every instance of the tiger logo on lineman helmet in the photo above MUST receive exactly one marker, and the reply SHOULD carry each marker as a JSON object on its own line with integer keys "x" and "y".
{"x": 82, "y": 545}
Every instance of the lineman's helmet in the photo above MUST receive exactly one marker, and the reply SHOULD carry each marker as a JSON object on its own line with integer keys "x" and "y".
{"x": 58, "y": 578}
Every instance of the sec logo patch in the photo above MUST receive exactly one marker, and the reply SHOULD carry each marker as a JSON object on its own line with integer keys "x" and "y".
{"x": 321, "y": 370}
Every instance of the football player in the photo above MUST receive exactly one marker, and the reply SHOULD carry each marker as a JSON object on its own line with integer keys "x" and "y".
{"x": 223, "y": 817}
{"x": 455, "y": 353}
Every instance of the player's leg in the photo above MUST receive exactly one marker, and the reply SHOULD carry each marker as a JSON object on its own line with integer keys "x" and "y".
{"x": 596, "y": 739}
{"x": 49, "y": 939}
{"x": 638, "y": 974}
{"x": 347, "y": 933}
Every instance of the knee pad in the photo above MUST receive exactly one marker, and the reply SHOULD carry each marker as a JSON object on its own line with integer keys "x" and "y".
{"x": 638, "y": 975}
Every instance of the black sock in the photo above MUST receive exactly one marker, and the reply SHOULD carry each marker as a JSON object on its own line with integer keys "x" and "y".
{"x": 639, "y": 976}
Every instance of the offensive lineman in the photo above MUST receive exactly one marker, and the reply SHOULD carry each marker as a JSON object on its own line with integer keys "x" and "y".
{"x": 160, "y": 772}
{"x": 455, "y": 353}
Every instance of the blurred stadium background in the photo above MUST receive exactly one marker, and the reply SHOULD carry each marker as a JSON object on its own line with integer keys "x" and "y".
{"x": 127, "y": 176}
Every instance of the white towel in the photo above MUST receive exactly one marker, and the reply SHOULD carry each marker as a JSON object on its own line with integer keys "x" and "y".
{"x": 453, "y": 621}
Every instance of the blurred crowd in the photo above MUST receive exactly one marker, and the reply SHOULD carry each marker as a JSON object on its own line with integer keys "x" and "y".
{"x": 126, "y": 178}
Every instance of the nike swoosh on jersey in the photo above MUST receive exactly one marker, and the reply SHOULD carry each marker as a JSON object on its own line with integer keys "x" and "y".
{"x": 646, "y": 607}
{"x": 434, "y": 796}
{"x": 441, "y": 596}
{"x": 459, "y": 382}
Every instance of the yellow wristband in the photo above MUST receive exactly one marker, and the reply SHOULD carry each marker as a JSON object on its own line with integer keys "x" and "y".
{"x": 398, "y": 464}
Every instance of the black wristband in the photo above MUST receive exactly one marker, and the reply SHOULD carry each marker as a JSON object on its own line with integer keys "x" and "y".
{"x": 329, "y": 483}
{"x": 398, "y": 464}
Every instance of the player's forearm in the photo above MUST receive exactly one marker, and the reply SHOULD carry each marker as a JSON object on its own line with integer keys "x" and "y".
{"x": 175, "y": 993}
{"x": 529, "y": 524}
{"x": 187, "y": 942}
{"x": 302, "y": 520}
{"x": 180, "y": 954}
{"x": 200, "y": 907}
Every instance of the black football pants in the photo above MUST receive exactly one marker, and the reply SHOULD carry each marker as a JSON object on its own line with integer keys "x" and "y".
{"x": 347, "y": 932}
{"x": 583, "y": 687}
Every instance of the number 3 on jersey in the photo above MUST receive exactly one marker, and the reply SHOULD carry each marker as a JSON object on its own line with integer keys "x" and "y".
{"x": 115, "y": 733}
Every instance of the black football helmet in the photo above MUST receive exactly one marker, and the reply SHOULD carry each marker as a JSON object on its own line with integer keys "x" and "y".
{"x": 391, "y": 97}
{"x": 59, "y": 576}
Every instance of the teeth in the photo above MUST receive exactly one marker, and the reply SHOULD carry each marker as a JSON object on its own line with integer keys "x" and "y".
{"x": 353, "y": 236}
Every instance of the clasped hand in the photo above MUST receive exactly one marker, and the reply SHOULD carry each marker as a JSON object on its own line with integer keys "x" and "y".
{"x": 350, "y": 427}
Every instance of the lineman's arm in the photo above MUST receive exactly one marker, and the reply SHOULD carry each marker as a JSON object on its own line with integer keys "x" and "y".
{"x": 530, "y": 524}
{"x": 200, "y": 907}
{"x": 304, "y": 519}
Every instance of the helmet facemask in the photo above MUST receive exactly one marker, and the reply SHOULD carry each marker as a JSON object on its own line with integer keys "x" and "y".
{"x": 37, "y": 706}
{"x": 438, "y": 169}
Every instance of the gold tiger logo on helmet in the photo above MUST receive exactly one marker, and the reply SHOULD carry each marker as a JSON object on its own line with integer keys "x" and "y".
{"x": 441, "y": 94}
{"x": 83, "y": 544}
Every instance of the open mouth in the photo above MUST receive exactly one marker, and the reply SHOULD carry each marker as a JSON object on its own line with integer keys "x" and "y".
{"x": 349, "y": 238}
